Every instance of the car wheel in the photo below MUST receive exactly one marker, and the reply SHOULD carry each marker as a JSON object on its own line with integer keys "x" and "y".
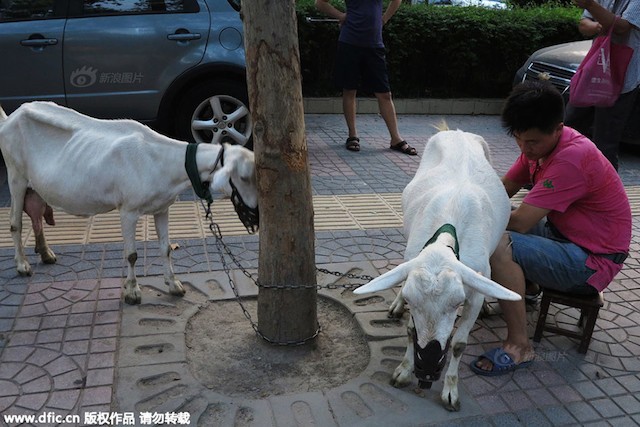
{"x": 215, "y": 112}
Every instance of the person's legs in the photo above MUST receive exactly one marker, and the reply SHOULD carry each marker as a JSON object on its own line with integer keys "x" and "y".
{"x": 580, "y": 119}
{"x": 543, "y": 259}
{"x": 609, "y": 124}
{"x": 509, "y": 274}
{"x": 349, "y": 110}
{"x": 346, "y": 76}
{"x": 376, "y": 79}
{"x": 388, "y": 113}
{"x": 552, "y": 263}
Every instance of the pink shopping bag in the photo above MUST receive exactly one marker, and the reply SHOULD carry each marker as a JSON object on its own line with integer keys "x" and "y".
{"x": 600, "y": 76}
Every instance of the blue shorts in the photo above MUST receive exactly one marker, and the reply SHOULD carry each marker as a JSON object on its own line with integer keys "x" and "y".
{"x": 551, "y": 261}
{"x": 357, "y": 65}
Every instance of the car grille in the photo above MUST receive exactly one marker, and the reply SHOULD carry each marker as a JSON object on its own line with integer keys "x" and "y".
{"x": 558, "y": 76}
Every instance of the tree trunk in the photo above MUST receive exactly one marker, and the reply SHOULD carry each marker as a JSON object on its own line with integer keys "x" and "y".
{"x": 287, "y": 255}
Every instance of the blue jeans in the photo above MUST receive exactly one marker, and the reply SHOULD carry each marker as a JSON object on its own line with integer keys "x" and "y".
{"x": 551, "y": 261}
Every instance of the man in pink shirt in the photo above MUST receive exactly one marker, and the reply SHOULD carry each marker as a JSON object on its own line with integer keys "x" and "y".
{"x": 573, "y": 229}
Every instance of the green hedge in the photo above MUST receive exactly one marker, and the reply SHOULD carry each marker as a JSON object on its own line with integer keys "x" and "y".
{"x": 441, "y": 51}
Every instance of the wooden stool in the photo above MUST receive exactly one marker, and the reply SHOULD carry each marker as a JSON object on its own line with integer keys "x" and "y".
{"x": 588, "y": 306}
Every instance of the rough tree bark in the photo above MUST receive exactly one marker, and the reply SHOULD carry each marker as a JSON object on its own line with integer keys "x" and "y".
{"x": 287, "y": 254}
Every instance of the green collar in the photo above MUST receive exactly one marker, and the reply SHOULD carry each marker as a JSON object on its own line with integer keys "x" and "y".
{"x": 201, "y": 188}
{"x": 447, "y": 228}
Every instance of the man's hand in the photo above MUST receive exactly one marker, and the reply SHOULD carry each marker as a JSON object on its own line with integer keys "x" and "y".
{"x": 589, "y": 27}
{"x": 391, "y": 10}
{"x": 328, "y": 9}
{"x": 584, "y": 4}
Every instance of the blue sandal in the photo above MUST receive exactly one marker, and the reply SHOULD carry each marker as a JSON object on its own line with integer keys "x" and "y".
{"x": 502, "y": 363}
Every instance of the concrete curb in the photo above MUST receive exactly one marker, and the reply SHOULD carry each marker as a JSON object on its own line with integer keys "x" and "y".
{"x": 468, "y": 106}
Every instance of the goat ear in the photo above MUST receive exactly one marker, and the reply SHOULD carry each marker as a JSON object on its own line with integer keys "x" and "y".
{"x": 484, "y": 285}
{"x": 387, "y": 280}
{"x": 238, "y": 158}
{"x": 246, "y": 165}
{"x": 221, "y": 179}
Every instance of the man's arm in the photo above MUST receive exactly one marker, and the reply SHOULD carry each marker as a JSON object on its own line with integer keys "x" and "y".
{"x": 525, "y": 217}
{"x": 604, "y": 17}
{"x": 328, "y": 9}
{"x": 392, "y": 8}
{"x": 511, "y": 186}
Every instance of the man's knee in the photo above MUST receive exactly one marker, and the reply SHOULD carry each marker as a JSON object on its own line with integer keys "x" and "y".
{"x": 383, "y": 96}
{"x": 349, "y": 93}
{"x": 503, "y": 253}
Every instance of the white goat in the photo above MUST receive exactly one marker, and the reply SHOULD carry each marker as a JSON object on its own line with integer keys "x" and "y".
{"x": 85, "y": 166}
{"x": 455, "y": 200}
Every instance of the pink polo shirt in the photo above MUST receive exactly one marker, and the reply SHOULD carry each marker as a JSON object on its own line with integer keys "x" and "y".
{"x": 588, "y": 203}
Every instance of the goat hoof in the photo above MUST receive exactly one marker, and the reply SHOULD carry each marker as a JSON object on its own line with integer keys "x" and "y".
{"x": 451, "y": 406}
{"x": 399, "y": 381}
{"x": 176, "y": 288}
{"x": 398, "y": 384}
{"x": 133, "y": 298}
{"x": 25, "y": 270}
{"x": 455, "y": 407}
{"x": 395, "y": 314}
{"x": 48, "y": 257}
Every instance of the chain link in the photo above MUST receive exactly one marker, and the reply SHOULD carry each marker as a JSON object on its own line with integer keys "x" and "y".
{"x": 224, "y": 249}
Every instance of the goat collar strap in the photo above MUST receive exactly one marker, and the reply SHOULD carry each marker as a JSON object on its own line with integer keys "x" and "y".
{"x": 447, "y": 228}
{"x": 201, "y": 188}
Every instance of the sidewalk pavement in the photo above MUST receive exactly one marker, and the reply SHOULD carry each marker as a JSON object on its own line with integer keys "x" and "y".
{"x": 70, "y": 346}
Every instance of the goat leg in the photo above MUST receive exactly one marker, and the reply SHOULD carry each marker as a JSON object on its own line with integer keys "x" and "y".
{"x": 162, "y": 229}
{"x": 396, "y": 309}
{"x": 450, "y": 397}
{"x": 18, "y": 190}
{"x": 37, "y": 209}
{"x": 403, "y": 374}
{"x": 128, "y": 221}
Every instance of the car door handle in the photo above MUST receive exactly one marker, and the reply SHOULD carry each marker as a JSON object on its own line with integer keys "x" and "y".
{"x": 41, "y": 42}
{"x": 184, "y": 37}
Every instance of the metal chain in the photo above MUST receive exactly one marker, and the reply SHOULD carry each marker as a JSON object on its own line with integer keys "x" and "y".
{"x": 224, "y": 249}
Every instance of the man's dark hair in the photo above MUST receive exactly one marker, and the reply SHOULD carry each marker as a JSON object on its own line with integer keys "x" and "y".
{"x": 533, "y": 104}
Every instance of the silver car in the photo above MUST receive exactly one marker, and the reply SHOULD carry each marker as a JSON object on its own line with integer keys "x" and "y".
{"x": 177, "y": 65}
{"x": 558, "y": 64}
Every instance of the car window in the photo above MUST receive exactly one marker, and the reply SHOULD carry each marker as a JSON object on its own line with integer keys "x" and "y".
{"x": 129, "y": 7}
{"x": 28, "y": 10}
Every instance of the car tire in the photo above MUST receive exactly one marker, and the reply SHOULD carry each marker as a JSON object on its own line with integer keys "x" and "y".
{"x": 215, "y": 112}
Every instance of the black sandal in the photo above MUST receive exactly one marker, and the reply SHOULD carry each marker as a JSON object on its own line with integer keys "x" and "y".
{"x": 353, "y": 143}
{"x": 404, "y": 148}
